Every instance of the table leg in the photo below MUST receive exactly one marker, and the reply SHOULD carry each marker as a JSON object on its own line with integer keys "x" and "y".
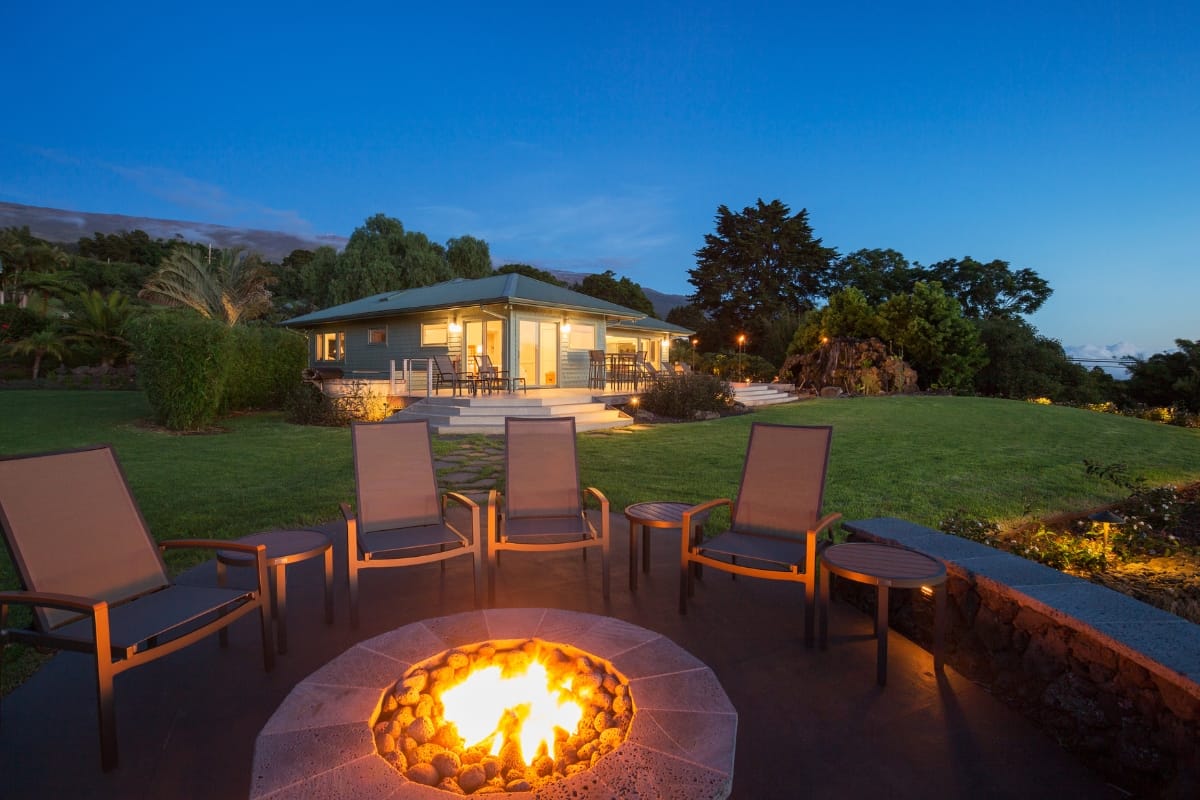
{"x": 823, "y": 609}
{"x": 223, "y": 634}
{"x": 939, "y": 625}
{"x": 645, "y": 550}
{"x": 279, "y": 606}
{"x": 329, "y": 586}
{"x": 632, "y": 556}
{"x": 881, "y": 632}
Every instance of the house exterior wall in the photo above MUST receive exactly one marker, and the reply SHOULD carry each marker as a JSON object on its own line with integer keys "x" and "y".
{"x": 365, "y": 360}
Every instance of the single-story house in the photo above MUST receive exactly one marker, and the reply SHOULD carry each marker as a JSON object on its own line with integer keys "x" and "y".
{"x": 532, "y": 329}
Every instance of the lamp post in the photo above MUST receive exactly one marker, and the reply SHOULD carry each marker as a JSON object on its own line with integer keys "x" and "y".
{"x": 741, "y": 355}
{"x": 695, "y": 344}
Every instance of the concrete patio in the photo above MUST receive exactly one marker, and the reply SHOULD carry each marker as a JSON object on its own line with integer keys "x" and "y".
{"x": 810, "y": 723}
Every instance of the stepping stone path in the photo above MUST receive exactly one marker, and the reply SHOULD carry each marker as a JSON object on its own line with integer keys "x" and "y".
{"x": 475, "y": 467}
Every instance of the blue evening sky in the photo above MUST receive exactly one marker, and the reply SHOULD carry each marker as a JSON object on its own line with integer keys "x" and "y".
{"x": 1060, "y": 136}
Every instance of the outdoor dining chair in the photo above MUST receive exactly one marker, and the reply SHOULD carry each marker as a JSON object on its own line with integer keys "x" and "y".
{"x": 444, "y": 373}
{"x": 401, "y": 520}
{"x": 543, "y": 507}
{"x": 95, "y": 578}
{"x": 776, "y": 521}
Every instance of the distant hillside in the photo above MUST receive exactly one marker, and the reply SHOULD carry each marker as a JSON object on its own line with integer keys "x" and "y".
{"x": 68, "y": 227}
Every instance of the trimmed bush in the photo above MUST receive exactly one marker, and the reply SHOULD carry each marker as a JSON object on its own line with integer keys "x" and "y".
{"x": 264, "y": 367}
{"x": 182, "y": 361}
{"x": 682, "y": 396}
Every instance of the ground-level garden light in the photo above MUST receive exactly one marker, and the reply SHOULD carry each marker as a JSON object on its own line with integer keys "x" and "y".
{"x": 1106, "y": 519}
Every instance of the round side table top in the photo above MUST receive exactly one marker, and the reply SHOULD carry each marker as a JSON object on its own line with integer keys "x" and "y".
{"x": 283, "y": 547}
{"x": 881, "y": 564}
{"x": 659, "y": 514}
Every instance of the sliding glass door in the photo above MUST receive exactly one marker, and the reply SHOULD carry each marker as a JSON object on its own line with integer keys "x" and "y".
{"x": 538, "y": 349}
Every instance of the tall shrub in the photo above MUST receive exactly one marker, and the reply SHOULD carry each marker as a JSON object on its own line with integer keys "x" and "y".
{"x": 264, "y": 364}
{"x": 182, "y": 361}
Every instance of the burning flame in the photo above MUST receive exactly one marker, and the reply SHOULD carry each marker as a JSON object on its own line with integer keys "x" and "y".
{"x": 525, "y": 706}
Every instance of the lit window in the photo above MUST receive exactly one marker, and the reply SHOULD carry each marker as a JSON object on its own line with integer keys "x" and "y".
{"x": 376, "y": 335}
{"x": 331, "y": 346}
{"x": 433, "y": 334}
{"x": 582, "y": 337}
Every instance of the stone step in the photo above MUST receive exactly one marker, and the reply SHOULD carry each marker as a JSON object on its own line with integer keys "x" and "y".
{"x": 486, "y": 415}
{"x": 761, "y": 394}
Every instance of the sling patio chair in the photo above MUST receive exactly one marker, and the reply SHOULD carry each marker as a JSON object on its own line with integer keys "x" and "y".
{"x": 95, "y": 580}
{"x": 776, "y": 522}
{"x": 401, "y": 520}
{"x": 543, "y": 507}
{"x": 444, "y": 374}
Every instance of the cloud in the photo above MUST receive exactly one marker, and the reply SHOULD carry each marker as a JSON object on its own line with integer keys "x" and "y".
{"x": 1105, "y": 356}
{"x": 211, "y": 201}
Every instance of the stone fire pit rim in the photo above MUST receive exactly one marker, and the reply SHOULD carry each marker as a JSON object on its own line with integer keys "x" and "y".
{"x": 318, "y": 743}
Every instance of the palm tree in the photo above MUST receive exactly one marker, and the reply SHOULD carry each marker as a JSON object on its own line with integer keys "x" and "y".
{"x": 46, "y": 342}
{"x": 99, "y": 321}
{"x": 231, "y": 288}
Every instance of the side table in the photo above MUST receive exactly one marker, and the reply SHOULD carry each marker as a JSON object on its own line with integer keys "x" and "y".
{"x": 283, "y": 548}
{"x": 884, "y": 567}
{"x": 658, "y": 514}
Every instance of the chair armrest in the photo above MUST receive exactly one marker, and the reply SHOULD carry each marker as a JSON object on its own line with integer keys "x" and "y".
{"x": 686, "y": 525}
{"x": 459, "y": 498}
{"x": 67, "y": 602}
{"x": 599, "y": 495}
{"x": 347, "y": 513}
{"x": 824, "y": 523}
{"x": 210, "y": 544}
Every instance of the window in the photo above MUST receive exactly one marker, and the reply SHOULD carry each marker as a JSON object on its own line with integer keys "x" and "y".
{"x": 377, "y": 336}
{"x": 331, "y": 346}
{"x": 434, "y": 334}
{"x": 582, "y": 337}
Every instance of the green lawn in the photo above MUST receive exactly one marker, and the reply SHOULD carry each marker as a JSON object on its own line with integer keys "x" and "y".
{"x": 915, "y": 457}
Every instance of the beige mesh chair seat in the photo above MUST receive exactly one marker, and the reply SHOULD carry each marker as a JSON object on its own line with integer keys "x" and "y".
{"x": 95, "y": 579}
{"x": 401, "y": 520}
{"x": 543, "y": 506}
{"x": 776, "y": 523}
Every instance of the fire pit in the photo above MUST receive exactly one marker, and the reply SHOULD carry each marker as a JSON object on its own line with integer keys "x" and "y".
{"x": 343, "y": 731}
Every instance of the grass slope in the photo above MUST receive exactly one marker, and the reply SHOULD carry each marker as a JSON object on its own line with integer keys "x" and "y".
{"x": 915, "y": 457}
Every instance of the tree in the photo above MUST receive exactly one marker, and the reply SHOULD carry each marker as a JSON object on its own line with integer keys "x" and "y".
{"x": 233, "y": 287}
{"x": 99, "y": 321}
{"x": 531, "y": 272}
{"x": 23, "y": 254}
{"x": 689, "y": 316}
{"x": 46, "y": 342}
{"x": 927, "y": 329}
{"x": 848, "y": 314}
{"x": 991, "y": 289}
{"x": 756, "y": 266}
{"x": 130, "y": 247}
{"x": 382, "y": 257}
{"x": 623, "y": 292}
{"x": 877, "y": 274}
{"x": 469, "y": 257}
{"x": 1168, "y": 379}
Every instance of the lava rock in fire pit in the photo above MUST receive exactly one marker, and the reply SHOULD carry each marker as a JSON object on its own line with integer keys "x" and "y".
{"x": 413, "y": 735}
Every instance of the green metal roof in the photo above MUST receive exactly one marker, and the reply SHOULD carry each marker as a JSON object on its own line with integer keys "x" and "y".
{"x": 506, "y": 288}
{"x": 652, "y": 324}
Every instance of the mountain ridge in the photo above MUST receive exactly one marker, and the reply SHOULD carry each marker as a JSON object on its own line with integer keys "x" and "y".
{"x": 64, "y": 226}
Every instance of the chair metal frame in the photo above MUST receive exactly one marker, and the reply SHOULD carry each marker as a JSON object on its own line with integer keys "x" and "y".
{"x": 549, "y": 538}
{"x": 121, "y": 631}
{"x": 778, "y": 554}
{"x": 419, "y": 535}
